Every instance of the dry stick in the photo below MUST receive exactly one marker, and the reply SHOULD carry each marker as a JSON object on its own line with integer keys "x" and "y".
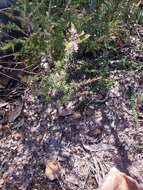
{"x": 87, "y": 150}
{"x": 86, "y": 178}
{"x": 1, "y": 10}
{"x": 28, "y": 66}
{"x": 100, "y": 171}
{"x": 14, "y": 69}
{"x": 60, "y": 183}
{"x": 11, "y": 77}
{"x": 15, "y": 38}
{"x": 8, "y": 55}
{"x": 11, "y": 62}
{"x": 14, "y": 90}
{"x": 138, "y": 33}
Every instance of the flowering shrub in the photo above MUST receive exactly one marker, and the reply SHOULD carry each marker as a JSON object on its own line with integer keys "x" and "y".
{"x": 74, "y": 37}
{"x": 60, "y": 29}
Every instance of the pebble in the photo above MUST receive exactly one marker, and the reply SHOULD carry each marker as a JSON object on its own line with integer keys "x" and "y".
{"x": 17, "y": 136}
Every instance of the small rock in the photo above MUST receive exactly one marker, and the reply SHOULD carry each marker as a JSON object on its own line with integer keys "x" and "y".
{"x": 17, "y": 136}
{"x": 39, "y": 138}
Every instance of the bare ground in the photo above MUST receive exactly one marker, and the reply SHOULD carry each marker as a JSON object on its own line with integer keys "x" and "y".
{"x": 87, "y": 136}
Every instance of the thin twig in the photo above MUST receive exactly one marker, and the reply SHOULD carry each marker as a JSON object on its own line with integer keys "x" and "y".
{"x": 60, "y": 183}
{"x": 8, "y": 55}
{"x": 86, "y": 178}
{"x": 15, "y": 69}
{"x": 100, "y": 170}
{"x": 4, "y": 9}
{"x": 11, "y": 77}
{"x": 11, "y": 62}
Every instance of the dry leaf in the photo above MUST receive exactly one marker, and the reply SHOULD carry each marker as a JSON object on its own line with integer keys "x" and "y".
{"x": 13, "y": 114}
{"x": 76, "y": 115}
{"x": 53, "y": 169}
{"x": 96, "y": 132}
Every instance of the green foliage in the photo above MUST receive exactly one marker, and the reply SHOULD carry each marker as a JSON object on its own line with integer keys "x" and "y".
{"x": 102, "y": 86}
{"x": 134, "y": 110}
{"x": 50, "y": 19}
{"x": 141, "y": 98}
{"x": 46, "y": 26}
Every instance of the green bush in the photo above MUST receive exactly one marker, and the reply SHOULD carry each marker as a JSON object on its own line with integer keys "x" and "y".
{"x": 46, "y": 24}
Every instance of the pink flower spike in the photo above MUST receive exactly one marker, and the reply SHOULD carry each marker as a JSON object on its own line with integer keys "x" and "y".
{"x": 74, "y": 46}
